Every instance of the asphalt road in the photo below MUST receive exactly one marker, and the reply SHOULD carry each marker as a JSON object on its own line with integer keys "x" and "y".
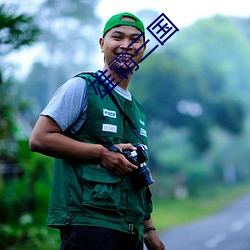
{"x": 227, "y": 230}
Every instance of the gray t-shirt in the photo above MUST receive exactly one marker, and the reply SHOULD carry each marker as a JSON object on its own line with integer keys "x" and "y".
{"x": 68, "y": 106}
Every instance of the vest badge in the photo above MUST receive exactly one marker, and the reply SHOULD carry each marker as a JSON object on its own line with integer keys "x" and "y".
{"x": 109, "y": 113}
{"x": 109, "y": 128}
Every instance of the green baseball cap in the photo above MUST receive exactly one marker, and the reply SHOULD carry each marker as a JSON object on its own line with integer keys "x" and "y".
{"x": 116, "y": 20}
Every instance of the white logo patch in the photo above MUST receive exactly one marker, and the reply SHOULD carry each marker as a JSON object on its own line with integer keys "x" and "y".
{"x": 109, "y": 128}
{"x": 143, "y": 132}
{"x": 142, "y": 122}
{"x": 109, "y": 113}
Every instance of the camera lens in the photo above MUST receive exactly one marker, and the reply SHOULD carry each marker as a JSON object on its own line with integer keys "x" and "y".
{"x": 144, "y": 176}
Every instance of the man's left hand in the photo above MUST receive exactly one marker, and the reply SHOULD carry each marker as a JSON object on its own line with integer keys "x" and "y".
{"x": 152, "y": 241}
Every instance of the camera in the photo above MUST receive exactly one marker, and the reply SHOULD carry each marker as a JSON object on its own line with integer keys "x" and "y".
{"x": 142, "y": 176}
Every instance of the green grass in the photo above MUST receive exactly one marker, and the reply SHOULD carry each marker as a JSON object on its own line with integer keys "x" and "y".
{"x": 170, "y": 213}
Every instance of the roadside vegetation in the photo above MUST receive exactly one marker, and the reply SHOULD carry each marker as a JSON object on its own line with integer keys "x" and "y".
{"x": 171, "y": 213}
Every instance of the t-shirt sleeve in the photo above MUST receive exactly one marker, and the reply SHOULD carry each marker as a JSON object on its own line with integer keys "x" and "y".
{"x": 68, "y": 105}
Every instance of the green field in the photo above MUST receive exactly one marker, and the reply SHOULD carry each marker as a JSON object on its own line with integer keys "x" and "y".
{"x": 170, "y": 213}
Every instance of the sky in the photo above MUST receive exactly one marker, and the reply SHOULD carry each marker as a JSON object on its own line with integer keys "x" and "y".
{"x": 181, "y": 12}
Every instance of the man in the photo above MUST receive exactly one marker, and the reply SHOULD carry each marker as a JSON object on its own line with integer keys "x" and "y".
{"x": 95, "y": 202}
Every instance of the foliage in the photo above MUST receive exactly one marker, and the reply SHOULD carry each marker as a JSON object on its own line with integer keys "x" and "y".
{"x": 229, "y": 113}
{"x": 24, "y": 235}
{"x": 68, "y": 38}
{"x": 195, "y": 93}
{"x": 15, "y": 30}
{"x": 36, "y": 81}
{"x": 31, "y": 192}
{"x": 75, "y": 38}
{"x": 24, "y": 202}
{"x": 69, "y": 42}
{"x": 6, "y": 108}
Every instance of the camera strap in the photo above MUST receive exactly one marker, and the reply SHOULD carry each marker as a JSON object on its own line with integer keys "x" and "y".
{"x": 125, "y": 116}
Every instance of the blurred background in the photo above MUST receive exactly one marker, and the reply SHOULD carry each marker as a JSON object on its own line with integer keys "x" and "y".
{"x": 195, "y": 89}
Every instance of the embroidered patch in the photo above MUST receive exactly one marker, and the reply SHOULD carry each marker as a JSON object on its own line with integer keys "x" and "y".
{"x": 143, "y": 132}
{"x": 109, "y": 128}
{"x": 109, "y": 113}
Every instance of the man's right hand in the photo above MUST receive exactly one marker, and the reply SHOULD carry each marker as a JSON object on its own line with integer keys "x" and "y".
{"x": 115, "y": 162}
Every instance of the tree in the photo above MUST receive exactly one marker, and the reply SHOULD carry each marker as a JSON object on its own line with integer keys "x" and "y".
{"x": 69, "y": 39}
{"x": 16, "y": 31}
{"x": 196, "y": 94}
{"x": 198, "y": 80}
{"x": 69, "y": 30}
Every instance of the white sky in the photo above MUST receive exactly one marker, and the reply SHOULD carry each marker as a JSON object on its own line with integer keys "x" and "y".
{"x": 181, "y": 12}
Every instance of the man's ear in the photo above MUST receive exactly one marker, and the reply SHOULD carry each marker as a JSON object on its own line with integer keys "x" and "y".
{"x": 101, "y": 42}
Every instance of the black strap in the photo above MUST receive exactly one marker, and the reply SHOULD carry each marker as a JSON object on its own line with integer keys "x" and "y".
{"x": 126, "y": 117}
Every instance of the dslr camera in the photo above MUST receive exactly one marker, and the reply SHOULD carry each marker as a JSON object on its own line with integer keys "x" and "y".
{"x": 142, "y": 176}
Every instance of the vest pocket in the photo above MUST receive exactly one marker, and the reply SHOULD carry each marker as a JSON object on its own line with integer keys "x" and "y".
{"x": 101, "y": 188}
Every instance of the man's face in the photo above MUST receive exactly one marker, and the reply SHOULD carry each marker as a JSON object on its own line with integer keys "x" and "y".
{"x": 117, "y": 41}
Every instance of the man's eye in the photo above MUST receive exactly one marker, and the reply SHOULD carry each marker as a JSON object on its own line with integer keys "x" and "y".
{"x": 117, "y": 37}
{"x": 135, "y": 38}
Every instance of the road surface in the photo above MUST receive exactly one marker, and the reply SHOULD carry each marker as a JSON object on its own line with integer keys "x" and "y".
{"x": 227, "y": 230}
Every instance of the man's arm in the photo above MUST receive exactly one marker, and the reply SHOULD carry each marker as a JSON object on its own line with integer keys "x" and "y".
{"x": 47, "y": 138}
{"x": 151, "y": 239}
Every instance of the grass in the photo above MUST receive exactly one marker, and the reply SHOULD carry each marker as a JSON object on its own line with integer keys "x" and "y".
{"x": 170, "y": 213}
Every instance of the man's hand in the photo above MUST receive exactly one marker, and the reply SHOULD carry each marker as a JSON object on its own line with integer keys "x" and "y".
{"x": 116, "y": 162}
{"x": 152, "y": 241}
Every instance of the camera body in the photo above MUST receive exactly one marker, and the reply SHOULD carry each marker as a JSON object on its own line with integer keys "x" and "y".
{"x": 142, "y": 177}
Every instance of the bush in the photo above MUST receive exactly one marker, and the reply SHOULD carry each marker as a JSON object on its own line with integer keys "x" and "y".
{"x": 24, "y": 204}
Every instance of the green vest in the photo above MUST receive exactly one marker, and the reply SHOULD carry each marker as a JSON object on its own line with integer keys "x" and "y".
{"x": 88, "y": 194}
